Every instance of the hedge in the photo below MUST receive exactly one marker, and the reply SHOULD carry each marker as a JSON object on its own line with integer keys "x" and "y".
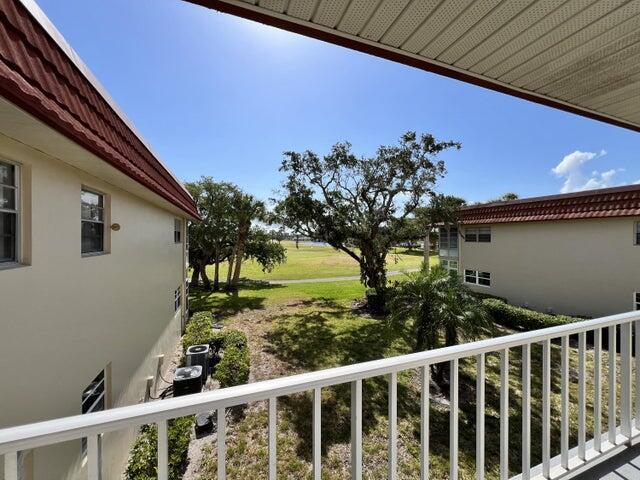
{"x": 143, "y": 461}
{"x": 199, "y": 330}
{"x": 235, "y": 364}
{"x": 523, "y": 318}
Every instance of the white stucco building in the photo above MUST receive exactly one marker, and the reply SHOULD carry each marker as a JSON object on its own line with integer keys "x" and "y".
{"x": 574, "y": 254}
{"x": 92, "y": 247}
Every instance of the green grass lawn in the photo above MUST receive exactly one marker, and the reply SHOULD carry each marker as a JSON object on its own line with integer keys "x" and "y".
{"x": 306, "y": 327}
{"x": 317, "y": 261}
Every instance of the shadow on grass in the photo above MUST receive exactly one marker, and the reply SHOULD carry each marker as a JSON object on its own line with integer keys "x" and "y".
{"x": 227, "y": 303}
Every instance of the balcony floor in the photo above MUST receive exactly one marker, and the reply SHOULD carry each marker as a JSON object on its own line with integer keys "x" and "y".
{"x": 624, "y": 466}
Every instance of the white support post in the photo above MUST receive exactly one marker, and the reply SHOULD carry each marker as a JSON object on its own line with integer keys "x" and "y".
{"x": 393, "y": 426}
{"x": 564, "y": 415}
{"x": 453, "y": 420}
{"x": 273, "y": 438}
{"x": 93, "y": 457}
{"x": 356, "y": 430}
{"x": 222, "y": 444}
{"x": 626, "y": 421}
{"x": 637, "y": 381}
{"x": 582, "y": 395}
{"x": 424, "y": 423}
{"x": 163, "y": 451}
{"x": 480, "y": 430}
{"x": 11, "y": 466}
{"x": 504, "y": 414}
{"x": 317, "y": 434}
{"x": 597, "y": 387}
{"x": 526, "y": 412}
{"x": 546, "y": 409}
{"x": 612, "y": 421}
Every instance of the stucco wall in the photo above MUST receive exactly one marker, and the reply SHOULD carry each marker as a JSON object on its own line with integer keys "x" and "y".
{"x": 577, "y": 267}
{"x": 64, "y": 318}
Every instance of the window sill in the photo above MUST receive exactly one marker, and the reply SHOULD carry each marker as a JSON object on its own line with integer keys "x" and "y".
{"x": 12, "y": 265}
{"x": 94, "y": 254}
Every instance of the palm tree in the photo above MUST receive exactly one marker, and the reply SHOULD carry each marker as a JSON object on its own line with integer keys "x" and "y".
{"x": 442, "y": 309}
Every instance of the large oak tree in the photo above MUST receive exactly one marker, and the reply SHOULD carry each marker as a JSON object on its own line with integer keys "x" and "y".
{"x": 359, "y": 204}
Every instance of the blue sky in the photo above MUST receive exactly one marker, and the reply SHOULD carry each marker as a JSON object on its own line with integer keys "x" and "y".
{"x": 221, "y": 96}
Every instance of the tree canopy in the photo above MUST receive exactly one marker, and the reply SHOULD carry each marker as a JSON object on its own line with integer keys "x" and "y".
{"x": 359, "y": 204}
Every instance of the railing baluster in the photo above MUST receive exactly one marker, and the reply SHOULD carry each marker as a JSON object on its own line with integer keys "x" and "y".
{"x": 317, "y": 434}
{"x": 424, "y": 423}
{"x": 453, "y": 420}
{"x": 625, "y": 380}
{"x": 163, "y": 451}
{"x": 93, "y": 457}
{"x": 393, "y": 426}
{"x": 582, "y": 395}
{"x": 564, "y": 421}
{"x": 597, "y": 386}
{"x": 504, "y": 414}
{"x": 526, "y": 412}
{"x": 222, "y": 444}
{"x": 356, "y": 430}
{"x": 637, "y": 357}
{"x": 612, "y": 423}
{"x": 480, "y": 374}
{"x": 546, "y": 408}
{"x": 11, "y": 466}
{"x": 273, "y": 438}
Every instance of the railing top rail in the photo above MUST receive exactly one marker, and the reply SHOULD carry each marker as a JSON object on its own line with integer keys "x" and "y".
{"x": 70, "y": 428}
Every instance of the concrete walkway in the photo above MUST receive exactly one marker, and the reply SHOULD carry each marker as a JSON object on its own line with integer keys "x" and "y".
{"x": 624, "y": 466}
{"x": 336, "y": 279}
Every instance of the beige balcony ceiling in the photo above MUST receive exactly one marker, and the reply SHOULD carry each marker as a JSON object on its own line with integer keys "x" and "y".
{"x": 581, "y": 56}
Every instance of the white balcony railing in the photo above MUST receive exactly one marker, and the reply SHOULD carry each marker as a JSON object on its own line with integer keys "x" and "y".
{"x": 570, "y": 462}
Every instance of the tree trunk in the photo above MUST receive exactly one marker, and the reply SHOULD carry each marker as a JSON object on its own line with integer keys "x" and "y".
{"x": 216, "y": 275}
{"x": 230, "y": 270}
{"x": 216, "y": 269}
{"x": 241, "y": 245}
{"x": 374, "y": 274}
{"x": 195, "y": 275}
{"x": 206, "y": 283}
{"x": 426, "y": 252}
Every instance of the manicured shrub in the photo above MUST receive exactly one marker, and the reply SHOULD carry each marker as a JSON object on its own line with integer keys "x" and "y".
{"x": 143, "y": 459}
{"x": 234, "y": 367}
{"x": 234, "y": 339}
{"x": 199, "y": 330}
{"x": 523, "y": 318}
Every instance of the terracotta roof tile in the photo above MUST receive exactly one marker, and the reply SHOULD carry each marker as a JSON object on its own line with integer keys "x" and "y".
{"x": 604, "y": 203}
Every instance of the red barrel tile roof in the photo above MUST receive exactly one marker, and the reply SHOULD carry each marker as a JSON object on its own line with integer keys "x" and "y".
{"x": 38, "y": 76}
{"x": 603, "y": 203}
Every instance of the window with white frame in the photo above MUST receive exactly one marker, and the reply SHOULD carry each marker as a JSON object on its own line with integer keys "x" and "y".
{"x": 177, "y": 230}
{"x": 636, "y": 300}
{"x": 9, "y": 212}
{"x": 177, "y": 299}
{"x": 93, "y": 400}
{"x": 451, "y": 265}
{"x": 448, "y": 241}
{"x": 92, "y": 219}
{"x": 477, "y": 277}
{"x": 482, "y": 234}
{"x": 637, "y": 233}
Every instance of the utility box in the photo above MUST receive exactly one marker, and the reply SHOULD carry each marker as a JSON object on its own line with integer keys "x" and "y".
{"x": 199, "y": 355}
{"x": 187, "y": 380}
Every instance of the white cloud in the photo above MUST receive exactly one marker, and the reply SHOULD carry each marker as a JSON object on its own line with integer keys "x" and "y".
{"x": 571, "y": 169}
{"x": 637, "y": 182}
